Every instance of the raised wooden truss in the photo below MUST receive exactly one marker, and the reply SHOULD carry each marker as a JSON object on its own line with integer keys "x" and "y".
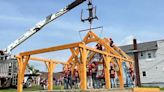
{"x": 86, "y": 53}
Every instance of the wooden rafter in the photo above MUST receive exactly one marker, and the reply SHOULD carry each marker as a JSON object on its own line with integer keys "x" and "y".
{"x": 105, "y": 53}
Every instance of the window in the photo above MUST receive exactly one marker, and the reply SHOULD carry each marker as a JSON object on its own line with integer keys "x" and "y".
{"x": 149, "y": 55}
{"x": 141, "y": 54}
{"x": 144, "y": 73}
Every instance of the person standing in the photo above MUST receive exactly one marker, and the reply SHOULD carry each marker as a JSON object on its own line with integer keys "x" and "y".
{"x": 76, "y": 78}
{"x": 112, "y": 77}
{"x": 94, "y": 72}
{"x": 89, "y": 76}
{"x": 131, "y": 72}
{"x": 100, "y": 76}
{"x": 70, "y": 77}
{"x": 65, "y": 79}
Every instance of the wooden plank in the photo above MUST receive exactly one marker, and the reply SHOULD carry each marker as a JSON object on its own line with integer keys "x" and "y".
{"x": 146, "y": 90}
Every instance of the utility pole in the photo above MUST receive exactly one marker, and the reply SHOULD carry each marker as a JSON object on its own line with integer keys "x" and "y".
{"x": 137, "y": 72}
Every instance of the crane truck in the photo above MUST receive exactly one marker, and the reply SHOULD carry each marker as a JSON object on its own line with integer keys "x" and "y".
{"x": 8, "y": 63}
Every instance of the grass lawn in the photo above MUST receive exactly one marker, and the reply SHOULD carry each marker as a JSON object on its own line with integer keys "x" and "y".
{"x": 35, "y": 88}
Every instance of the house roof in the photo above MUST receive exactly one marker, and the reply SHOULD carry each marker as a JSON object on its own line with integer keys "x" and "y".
{"x": 146, "y": 46}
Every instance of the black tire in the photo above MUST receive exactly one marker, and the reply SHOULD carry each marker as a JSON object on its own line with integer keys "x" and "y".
{"x": 28, "y": 83}
{"x": 5, "y": 82}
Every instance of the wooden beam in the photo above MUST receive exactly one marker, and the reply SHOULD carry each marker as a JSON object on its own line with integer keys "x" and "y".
{"x": 91, "y": 57}
{"x": 118, "y": 50}
{"x": 92, "y": 40}
{"x": 86, "y": 37}
{"x": 104, "y": 53}
{"x": 137, "y": 89}
{"x": 73, "y": 51}
{"x": 47, "y": 60}
{"x": 103, "y": 43}
{"x": 86, "y": 40}
{"x": 73, "y": 56}
{"x": 44, "y": 60}
{"x": 50, "y": 49}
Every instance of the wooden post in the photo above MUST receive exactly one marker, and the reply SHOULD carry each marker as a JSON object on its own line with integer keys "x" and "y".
{"x": 22, "y": 63}
{"x": 51, "y": 66}
{"x": 25, "y": 60}
{"x": 19, "y": 84}
{"x": 107, "y": 74}
{"x": 120, "y": 74}
{"x": 83, "y": 74}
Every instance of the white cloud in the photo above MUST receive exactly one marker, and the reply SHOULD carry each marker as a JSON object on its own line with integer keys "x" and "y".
{"x": 127, "y": 40}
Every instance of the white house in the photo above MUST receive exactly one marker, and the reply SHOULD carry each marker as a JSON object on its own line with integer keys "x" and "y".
{"x": 151, "y": 61}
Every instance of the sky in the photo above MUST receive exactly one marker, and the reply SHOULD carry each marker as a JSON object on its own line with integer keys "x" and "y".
{"x": 122, "y": 20}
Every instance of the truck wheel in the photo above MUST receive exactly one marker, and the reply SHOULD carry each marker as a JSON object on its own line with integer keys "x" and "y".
{"x": 28, "y": 83}
{"x": 5, "y": 82}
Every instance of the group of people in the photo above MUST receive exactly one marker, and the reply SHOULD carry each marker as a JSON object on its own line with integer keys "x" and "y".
{"x": 71, "y": 79}
{"x": 43, "y": 83}
{"x": 95, "y": 75}
{"x": 95, "y": 72}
